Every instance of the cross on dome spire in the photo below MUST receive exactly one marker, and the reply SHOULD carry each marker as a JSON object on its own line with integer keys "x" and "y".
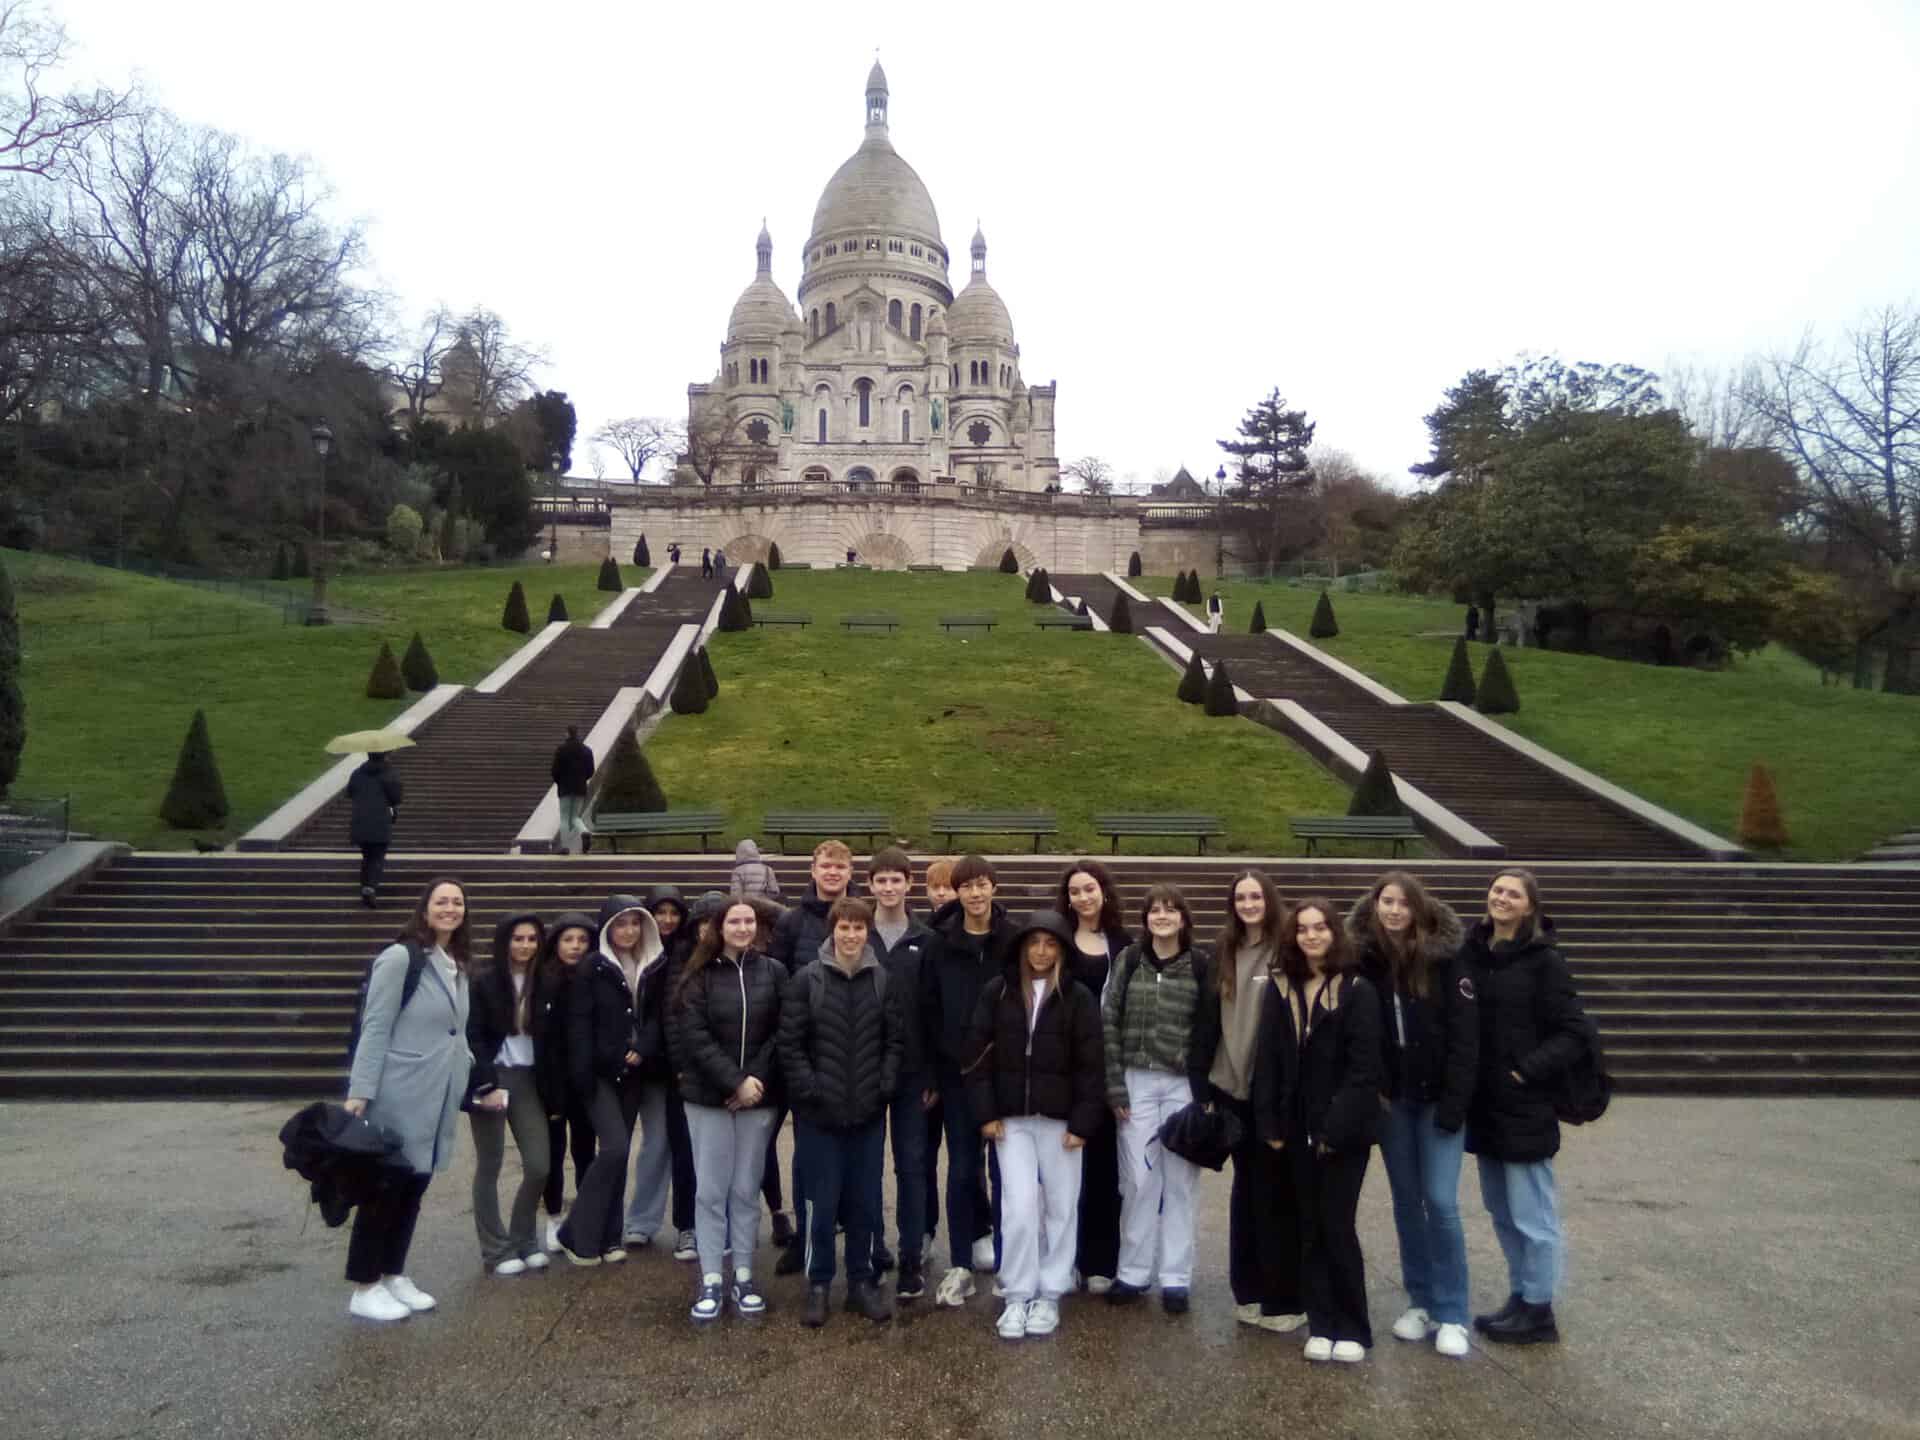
{"x": 763, "y": 248}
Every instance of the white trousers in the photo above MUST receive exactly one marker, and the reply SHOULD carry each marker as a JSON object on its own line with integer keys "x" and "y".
{"x": 1156, "y": 1186}
{"x": 1039, "y": 1208}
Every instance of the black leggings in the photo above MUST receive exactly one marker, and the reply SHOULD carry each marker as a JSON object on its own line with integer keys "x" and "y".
{"x": 579, "y": 1128}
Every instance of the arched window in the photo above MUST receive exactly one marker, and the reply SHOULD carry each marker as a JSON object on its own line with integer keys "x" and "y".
{"x": 813, "y": 325}
{"x": 833, "y": 321}
{"x": 865, "y": 391}
{"x": 822, "y": 436}
{"x": 956, "y": 372}
{"x": 914, "y": 319}
{"x": 893, "y": 314}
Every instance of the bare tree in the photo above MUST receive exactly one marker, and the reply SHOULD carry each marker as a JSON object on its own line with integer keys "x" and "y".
{"x": 1718, "y": 405}
{"x": 486, "y": 372}
{"x": 46, "y": 308}
{"x": 40, "y": 132}
{"x": 417, "y": 371}
{"x": 638, "y": 440}
{"x": 1094, "y": 475}
{"x": 702, "y": 444}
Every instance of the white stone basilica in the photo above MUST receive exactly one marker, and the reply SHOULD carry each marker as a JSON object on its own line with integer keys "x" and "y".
{"x": 883, "y": 379}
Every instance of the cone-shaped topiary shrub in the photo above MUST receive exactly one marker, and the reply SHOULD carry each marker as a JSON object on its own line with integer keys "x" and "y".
{"x": 1258, "y": 624}
{"x": 1324, "y": 626}
{"x": 282, "y": 563}
{"x": 196, "y": 799}
{"x": 689, "y": 690}
{"x": 1220, "y": 699}
{"x": 640, "y": 555}
{"x": 1033, "y": 583}
{"x": 384, "y": 681}
{"x": 1760, "y": 823}
{"x": 1133, "y": 566}
{"x": 1375, "y": 794}
{"x": 1081, "y": 608}
{"x": 1120, "y": 619}
{"x": 557, "y": 608}
{"x": 736, "y": 613}
{"x": 759, "y": 583}
{"x": 1009, "y": 562}
{"x": 301, "y": 568}
{"x": 1180, "y": 588}
{"x": 1497, "y": 695}
{"x": 418, "y": 667}
{"x": 1193, "y": 680}
{"x": 13, "y": 705}
{"x": 629, "y": 784}
{"x": 708, "y": 678}
{"x": 1459, "y": 682}
{"x": 609, "y": 575}
{"x": 773, "y": 556}
{"x": 515, "y": 616}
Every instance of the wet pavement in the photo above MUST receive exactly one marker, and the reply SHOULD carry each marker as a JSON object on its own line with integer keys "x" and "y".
{"x": 1737, "y": 1267}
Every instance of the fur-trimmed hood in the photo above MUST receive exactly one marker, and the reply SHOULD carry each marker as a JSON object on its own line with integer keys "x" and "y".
{"x": 1437, "y": 947}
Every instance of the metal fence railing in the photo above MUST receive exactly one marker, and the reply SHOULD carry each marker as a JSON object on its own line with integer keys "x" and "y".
{"x": 29, "y": 828}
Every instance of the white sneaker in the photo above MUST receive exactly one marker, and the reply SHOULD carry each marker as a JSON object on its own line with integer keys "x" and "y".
{"x": 1452, "y": 1341}
{"x": 999, "y": 1289}
{"x": 1281, "y": 1324}
{"x": 1043, "y": 1317}
{"x": 1013, "y": 1321}
{"x": 1099, "y": 1284}
{"x": 408, "y": 1293}
{"x": 686, "y": 1247}
{"x": 538, "y": 1260}
{"x": 1319, "y": 1348}
{"x": 374, "y": 1303}
{"x": 1350, "y": 1352}
{"x": 983, "y": 1253}
{"x": 553, "y": 1234}
{"x": 955, "y": 1289}
{"x": 614, "y": 1256}
{"x": 1415, "y": 1324}
{"x": 513, "y": 1265}
{"x": 1247, "y": 1314}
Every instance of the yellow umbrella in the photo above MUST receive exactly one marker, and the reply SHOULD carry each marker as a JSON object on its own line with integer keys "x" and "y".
{"x": 368, "y": 742}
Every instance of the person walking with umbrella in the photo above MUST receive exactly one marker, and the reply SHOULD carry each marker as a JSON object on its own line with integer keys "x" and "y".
{"x": 374, "y": 792}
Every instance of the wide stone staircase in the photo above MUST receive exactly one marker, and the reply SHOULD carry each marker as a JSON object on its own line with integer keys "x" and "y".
{"x": 229, "y": 976}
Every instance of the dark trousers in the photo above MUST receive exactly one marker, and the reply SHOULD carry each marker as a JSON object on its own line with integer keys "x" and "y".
{"x": 593, "y": 1226}
{"x": 1099, "y": 1252}
{"x": 1263, "y": 1226}
{"x": 383, "y": 1231}
{"x": 573, "y": 1129}
{"x": 841, "y": 1172}
{"x": 907, "y": 1133}
{"x": 770, "y": 1173}
{"x": 1333, "y": 1275}
{"x": 680, "y": 1142}
{"x": 966, "y": 1221}
{"x": 373, "y": 864}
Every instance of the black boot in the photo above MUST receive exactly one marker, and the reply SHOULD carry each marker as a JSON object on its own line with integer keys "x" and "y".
{"x": 791, "y": 1259}
{"x": 868, "y": 1299}
{"x": 882, "y": 1258}
{"x": 783, "y": 1235}
{"x": 817, "y": 1306}
{"x": 1505, "y": 1312}
{"x": 1529, "y": 1325}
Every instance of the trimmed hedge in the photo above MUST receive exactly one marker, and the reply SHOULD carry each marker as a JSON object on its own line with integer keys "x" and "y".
{"x": 1220, "y": 699}
{"x": 557, "y": 608}
{"x": 417, "y": 666}
{"x": 1120, "y": 618}
{"x": 689, "y": 690}
{"x": 707, "y": 677}
{"x": 609, "y": 576}
{"x": 1133, "y": 566}
{"x": 1009, "y": 562}
{"x": 1375, "y": 794}
{"x": 1324, "y": 626}
{"x": 736, "y": 613}
{"x": 1193, "y": 680}
{"x": 640, "y": 555}
{"x": 630, "y": 783}
{"x": 759, "y": 583}
{"x": 1258, "y": 624}
{"x": 1459, "y": 682}
{"x": 515, "y": 616}
{"x": 196, "y": 799}
{"x": 384, "y": 681}
{"x": 1761, "y": 825}
{"x": 1497, "y": 695}
{"x": 773, "y": 556}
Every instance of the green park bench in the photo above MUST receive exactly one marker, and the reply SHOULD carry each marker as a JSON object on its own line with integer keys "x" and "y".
{"x": 963, "y": 622}
{"x": 1193, "y": 827}
{"x": 927, "y": 569}
{"x": 839, "y": 823}
{"x": 619, "y": 825}
{"x": 994, "y": 822}
{"x": 1063, "y": 622}
{"x": 874, "y": 620}
{"x": 1315, "y": 828}
{"x": 768, "y": 617}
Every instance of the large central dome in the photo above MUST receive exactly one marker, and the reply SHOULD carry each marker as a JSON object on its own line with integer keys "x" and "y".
{"x": 875, "y": 189}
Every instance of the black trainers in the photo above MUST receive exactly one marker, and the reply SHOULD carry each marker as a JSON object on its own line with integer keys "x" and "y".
{"x": 782, "y": 1229}
{"x": 868, "y": 1299}
{"x": 817, "y": 1306}
{"x": 1124, "y": 1294}
{"x": 747, "y": 1299}
{"x": 1529, "y": 1325}
{"x": 1505, "y": 1312}
{"x": 911, "y": 1284}
{"x": 791, "y": 1259}
{"x": 1173, "y": 1301}
{"x": 706, "y": 1305}
{"x": 883, "y": 1260}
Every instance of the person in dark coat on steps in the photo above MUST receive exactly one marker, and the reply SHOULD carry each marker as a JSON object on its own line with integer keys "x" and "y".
{"x": 572, "y": 775}
{"x": 1409, "y": 948}
{"x": 373, "y": 790}
{"x": 1532, "y": 1029}
{"x": 569, "y": 1127}
{"x": 1037, "y": 1085}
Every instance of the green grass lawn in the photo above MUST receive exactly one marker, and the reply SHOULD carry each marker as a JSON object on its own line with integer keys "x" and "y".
{"x": 1017, "y": 718}
{"x": 1847, "y": 762}
{"x": 108, "y": 703}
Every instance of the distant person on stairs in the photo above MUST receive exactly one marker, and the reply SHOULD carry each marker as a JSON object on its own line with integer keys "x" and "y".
{"x": 1216, "y": 612}
{"x": 373, "y": 790}
{"x": 573, "y": 767}
{"x": 751, "y": 874}
{"x": 706, "y": 563}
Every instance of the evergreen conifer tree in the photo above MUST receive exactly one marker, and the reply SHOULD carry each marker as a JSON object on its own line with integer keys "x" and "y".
{"x": 640, "y": 555}
{"x": 557, "y": 608}
{"x": 1324, "y": 626}
{"x": 1761, "y": 825}
{"x": 1459, "y": 682}
{"x": 301, "y": 568}
{"x": 1009, "y": 562}
{"x": 384, "y": 681}
{"x": 1497, "y": 695}
{"x": 1180, "y": 587}
{"x": 630, "y": 784}
{"x": 1258, "y": 624}
{"x": 1120, "y": 619}
{"x": 609, "y": 575}
{"x": 1133, "y": 566}
{"x": 711, "y": 680}
{"x": 13, "y": 704}
{"x": 196, "y": 800}
{"x": 1193, "y": 680}
{"x": 1375, "y": 794}
{"x": 759, "y": 583}
{"x": 515, "y": 616}
{"x": 736, "y": 613}
{"x": 773, "y": 556}
{"x": 1220, "y": 698}
{"x": 689, "y": 690}
{"x": 418, "y": 667}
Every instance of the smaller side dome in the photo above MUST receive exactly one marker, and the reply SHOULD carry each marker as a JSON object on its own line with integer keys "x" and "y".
{"x": 979, "y": 314}
{"x": 763, "y": 311}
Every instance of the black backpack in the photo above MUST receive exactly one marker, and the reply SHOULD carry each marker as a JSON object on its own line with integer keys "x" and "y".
{"x": 1583, "y": 1090}
{"x": 416, "y": 966}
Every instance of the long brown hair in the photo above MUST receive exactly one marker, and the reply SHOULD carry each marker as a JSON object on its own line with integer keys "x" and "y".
{"x": 1406, "y": 956}
{"x": 418, "y": 930}
{"x": 1531, "y": 924}
{"x": 1293, "y": 962}
{"x": 711, "y": 943}
{"x": 1233, "y": 934}
{"x": 503, "y": 961}
{"x": 1109, "y": 920}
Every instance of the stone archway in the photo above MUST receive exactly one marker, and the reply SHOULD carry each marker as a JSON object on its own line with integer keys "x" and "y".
{"x": 882, "y": 549}
{"x": 747, "y": 548}
{"x": 988, "y": 556}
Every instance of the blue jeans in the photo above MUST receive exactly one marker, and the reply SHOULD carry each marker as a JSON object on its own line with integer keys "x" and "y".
{"x": 964, "y": 1148}
{"x": 1525, "y": 1208}
{"x": 1423, "y": 1169}
{"x": 907, "y": 1126}
{"x": 841, "y": 1172}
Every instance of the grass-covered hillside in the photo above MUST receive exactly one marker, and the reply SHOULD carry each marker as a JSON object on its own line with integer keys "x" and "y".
{"x": 115, "y": 664}
{"x": 1847, "y": 762}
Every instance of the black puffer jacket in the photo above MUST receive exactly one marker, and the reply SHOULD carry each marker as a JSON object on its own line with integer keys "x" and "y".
{"x": 1327, "y": 1091}
{"x": 841, "y": 1040}
{"x": 906, "y": 960}
{"x": 552, "y": 1014}
{"x": 954, "y": 970}
{"x": 1531, "y": 1021}
{"x": 726, "y": 1027}
{"x": 800, "y": 931}
{"x": 373, "y": 790}
{"x": 1057, "y": 1068}
{"x": 1431, "y": 1042}
{"x": 490, "y": 1017}
{"x": 605, "y": 1020}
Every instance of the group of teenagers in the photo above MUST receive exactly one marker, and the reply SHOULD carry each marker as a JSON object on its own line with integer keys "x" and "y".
{"x": 1048, "y": 1053}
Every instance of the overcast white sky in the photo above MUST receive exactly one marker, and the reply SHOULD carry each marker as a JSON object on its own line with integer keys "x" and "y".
{"x": 1354, "y": 203}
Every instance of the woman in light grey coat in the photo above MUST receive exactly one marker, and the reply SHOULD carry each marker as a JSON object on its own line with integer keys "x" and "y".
{"x": 409, "y": 1075}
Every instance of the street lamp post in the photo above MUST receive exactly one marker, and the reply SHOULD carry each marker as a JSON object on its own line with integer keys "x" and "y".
{"x": 553, "y": 529}
{"x": 317, "y": 606}
{"x": 1220, "y": 523}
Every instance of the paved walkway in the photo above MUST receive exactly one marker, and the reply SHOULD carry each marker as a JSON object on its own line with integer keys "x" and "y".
{"x": 1739, "y": 1267}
